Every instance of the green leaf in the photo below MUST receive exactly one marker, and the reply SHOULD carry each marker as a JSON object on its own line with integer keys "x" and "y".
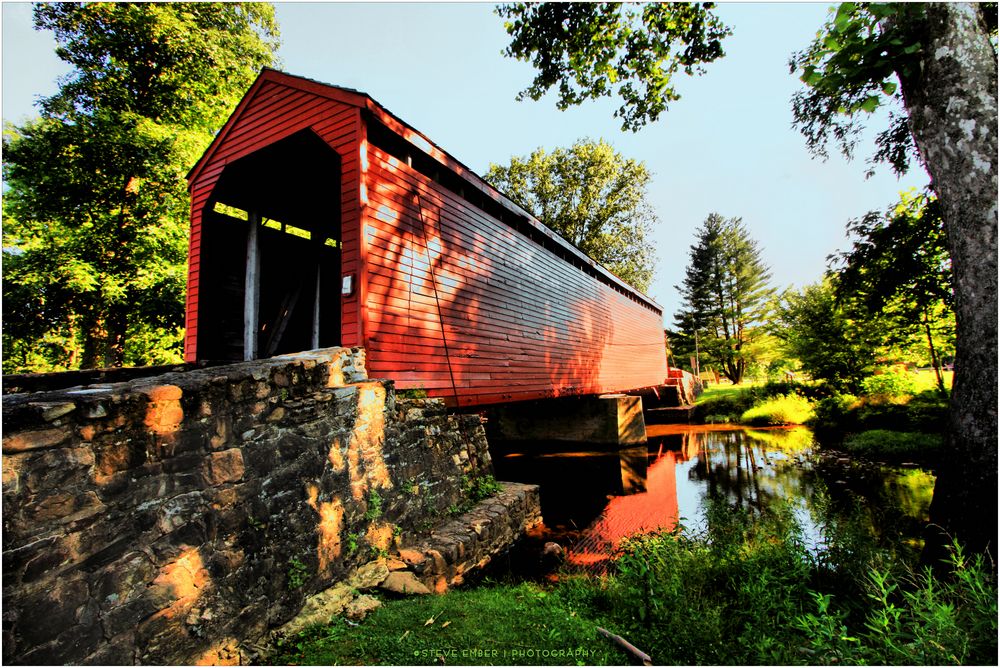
{"x": 843, "y": 16}
{"x": 870, "y": 104}
{"x": 889, "y": 88}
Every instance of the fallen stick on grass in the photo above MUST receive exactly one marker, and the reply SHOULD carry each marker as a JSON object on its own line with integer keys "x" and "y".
{"x": 634, "y": 651}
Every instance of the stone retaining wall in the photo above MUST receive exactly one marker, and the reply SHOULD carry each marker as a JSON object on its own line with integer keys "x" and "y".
{"x": 440, "y": 560}
{"x": 167, "y": 520}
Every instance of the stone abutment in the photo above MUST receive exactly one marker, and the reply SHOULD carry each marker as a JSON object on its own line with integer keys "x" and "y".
{"x": 179, "y": 519}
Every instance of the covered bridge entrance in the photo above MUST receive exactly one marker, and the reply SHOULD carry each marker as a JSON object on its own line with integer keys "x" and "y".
{"x": 270, "y": 235}
{"x": 319, "y": 218}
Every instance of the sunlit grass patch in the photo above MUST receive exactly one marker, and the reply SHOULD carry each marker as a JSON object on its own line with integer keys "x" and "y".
{"x": 492, "y": 624}
{"x": 724, "y": 404}
{"x": 714, "y": 392}
{"x": 926, "y": 379}
{"x": 789, "y": 409}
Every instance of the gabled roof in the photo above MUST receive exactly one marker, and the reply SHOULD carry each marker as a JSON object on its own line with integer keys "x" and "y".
{"x": 341, "y": 94}
{"x": 364, "y": 101}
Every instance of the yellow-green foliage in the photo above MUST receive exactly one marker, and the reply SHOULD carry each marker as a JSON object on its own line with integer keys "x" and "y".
{"x": 788, "y": 409}
{"x": 894, "y": 385}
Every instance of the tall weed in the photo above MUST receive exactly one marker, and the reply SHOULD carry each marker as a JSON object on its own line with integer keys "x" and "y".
{"x": 918, "y": 618}
{"x": 748, "y": 591}
{"x": 721, "y": 597}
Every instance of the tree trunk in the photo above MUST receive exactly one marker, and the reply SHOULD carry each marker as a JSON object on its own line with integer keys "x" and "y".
{"x": 95, "y": 339}
{"x": 935, "y": 361}
{"x": 117, "y": 329}
{"x": 952, "y": 105}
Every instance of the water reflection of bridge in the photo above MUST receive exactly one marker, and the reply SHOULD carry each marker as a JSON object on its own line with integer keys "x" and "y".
{"x": 593, "y": 499}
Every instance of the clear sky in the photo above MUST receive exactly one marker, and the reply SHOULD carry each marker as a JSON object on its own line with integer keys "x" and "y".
{"x": 727, "y": 146}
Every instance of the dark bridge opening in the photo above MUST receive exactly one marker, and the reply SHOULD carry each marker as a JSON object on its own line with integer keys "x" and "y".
{"x": 270, "y": 257}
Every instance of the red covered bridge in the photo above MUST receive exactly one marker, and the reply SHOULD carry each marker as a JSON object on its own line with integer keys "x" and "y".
{"x": 319, "y": 219}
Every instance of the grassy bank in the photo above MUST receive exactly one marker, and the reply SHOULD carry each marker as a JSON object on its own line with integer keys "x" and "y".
{"x": 758, "y": 405}
{"x": 745, "y": 592}
{"x": 897, "y": 416}
{"x": 492, "y": 624}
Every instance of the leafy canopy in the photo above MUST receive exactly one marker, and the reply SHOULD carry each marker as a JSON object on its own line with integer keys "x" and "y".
{"x": 594, "y": 50}
{"x": 591, "y": 195}
{"x": 832, "y": 341}
{"x": 95, "y": 218}
{"x": 175, "y": 64}
{"x": 899, "y": 269}
{"x": 854, "y": 66}
{"x": 899, "y": 252}
{"x": 850, "y": 70}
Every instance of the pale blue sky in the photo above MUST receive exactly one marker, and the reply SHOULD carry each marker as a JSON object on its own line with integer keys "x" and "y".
{"x": 727, "y": 146}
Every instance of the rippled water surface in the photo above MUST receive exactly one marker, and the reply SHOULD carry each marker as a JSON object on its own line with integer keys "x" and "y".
{"x": 592, "y": 498}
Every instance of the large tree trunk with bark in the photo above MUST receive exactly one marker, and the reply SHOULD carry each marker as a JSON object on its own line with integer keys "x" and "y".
{"x": 952, "y": 104}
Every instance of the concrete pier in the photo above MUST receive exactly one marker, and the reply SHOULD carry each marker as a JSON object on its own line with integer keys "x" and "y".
{"x": 609, "y": 419}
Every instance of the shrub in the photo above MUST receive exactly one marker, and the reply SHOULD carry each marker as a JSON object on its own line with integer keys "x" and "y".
{"x": 731, "y": 404}
{"x": 926, "y": 411}
{"x": 811, "y": 391}
{"x": 788, "y": 409}
{"x": 919, "y": 619}
{"x": 479, "y": 488}
{"x": 725, "y": 597}
{"x": 888, "y": 386}
{"x": 836, "y": 412}
{"x": 748, "y": 592}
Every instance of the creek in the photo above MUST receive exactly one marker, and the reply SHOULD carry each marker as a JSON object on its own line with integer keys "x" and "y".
{"x": 592, "y": 498}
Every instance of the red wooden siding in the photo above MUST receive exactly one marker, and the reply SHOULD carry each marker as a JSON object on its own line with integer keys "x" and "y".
{"x": 470, "y": 299}
{"x": 471, "y": 310}
{"x": 276, "y": 107}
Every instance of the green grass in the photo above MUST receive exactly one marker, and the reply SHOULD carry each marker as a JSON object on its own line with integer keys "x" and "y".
{"x": 715, "y": 392}
{"x": 893, "y": 444}
{"x": 723, "y": 403}
{"x": 492, "y": 624}
{"x": 772, "y": 403}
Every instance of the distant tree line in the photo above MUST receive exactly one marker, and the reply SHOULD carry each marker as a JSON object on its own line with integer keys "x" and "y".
{"x": 885, "y": 301}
